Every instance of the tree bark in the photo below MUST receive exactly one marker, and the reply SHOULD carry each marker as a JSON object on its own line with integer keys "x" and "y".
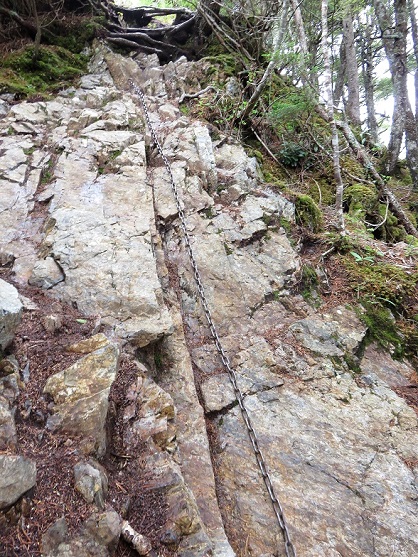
{"x": 351, "y": 71}
{"x": 340, "y": 79}
{"x": 367, "y": 69}
{"x": 414, "y": 32}
{"x": 329, "y": 103}
{"x": 394, "y": 42}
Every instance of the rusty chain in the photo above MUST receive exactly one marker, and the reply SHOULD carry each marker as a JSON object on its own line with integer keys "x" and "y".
{"x": 278, "y": 510}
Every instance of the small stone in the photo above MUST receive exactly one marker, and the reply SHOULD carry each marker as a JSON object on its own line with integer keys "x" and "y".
{"x": 17, "y": 476}
{"x": 8, "y": 437}
{"x": 46, "y": 274}
{"x": 52, "y": 323}
{"x": 104, "y": 528}
{"x": 217, "y": 393}
{"x": 89, "y": 345}
{"x": 91, "y": 482}
{"x": 81, "y": 397}
{"x": 8, "y": 366}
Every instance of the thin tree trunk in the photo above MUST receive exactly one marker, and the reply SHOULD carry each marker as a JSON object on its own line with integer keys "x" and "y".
{"x": 411, "y": 144}
{"x": 303, "y": 43}
{"x": 329, "y": 100}
{"x": 368, "y": 79}
{"x": 340, "y": 79}
{"x": 351, "y": 70}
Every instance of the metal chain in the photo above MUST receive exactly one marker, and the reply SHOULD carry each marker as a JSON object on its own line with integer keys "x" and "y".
{"x": 289, "y": 548}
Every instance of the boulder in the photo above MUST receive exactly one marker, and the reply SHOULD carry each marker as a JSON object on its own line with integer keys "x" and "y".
{"x": 81, "y": 397}
{"x": 17, "y": 476}
{"x": 10, "y": 313}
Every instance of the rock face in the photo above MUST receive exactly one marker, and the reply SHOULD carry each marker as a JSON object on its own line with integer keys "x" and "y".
{"x": 17, "y": 476}
{"x": 10, "y": 313}
{"x": 340, "y": 444}
{"x": 81, "y": 397}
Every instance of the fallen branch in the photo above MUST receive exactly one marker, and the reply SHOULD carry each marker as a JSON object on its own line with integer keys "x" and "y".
{"x": 135, "y": 46}
{"x": 140, "y": 543}
{"x": 198, "y": 94}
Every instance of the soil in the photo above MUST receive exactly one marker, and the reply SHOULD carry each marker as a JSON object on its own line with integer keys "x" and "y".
{"x": 41, "y": 353}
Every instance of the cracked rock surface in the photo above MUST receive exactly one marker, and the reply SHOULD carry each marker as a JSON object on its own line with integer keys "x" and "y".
{"x": 87, "y": 214}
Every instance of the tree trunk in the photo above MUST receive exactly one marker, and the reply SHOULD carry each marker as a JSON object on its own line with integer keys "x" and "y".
{"x": 329, "y": 100}
{"x": 351, "y": 71}
{"x": 394, "y": 42}
{"x": 367, "y": 69}
{"x": 303, "y": 43}
{"x": 414, "y": 32}
{"x": 340, "y": 79}
{"x": 411, "y": 144}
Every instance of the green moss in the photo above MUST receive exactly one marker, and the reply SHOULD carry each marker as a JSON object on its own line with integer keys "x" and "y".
{"x": 54, "y": 69}
{"x": 307, "y": 213}
{"x": 79, "y": 34}
{"x": 381, "y": 281}
{"x": 308, "y": 285}
{"x": 391, "y": 231}
{"x": 228, "y": 250}
{"x": 382, "y": 328}
{"x": 361, "y": 198}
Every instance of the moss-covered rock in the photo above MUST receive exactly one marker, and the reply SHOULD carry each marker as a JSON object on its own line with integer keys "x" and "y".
{"x": 307, "y": 213}
{"x": 54, "y": 67}
{"x": 361, "y": 199}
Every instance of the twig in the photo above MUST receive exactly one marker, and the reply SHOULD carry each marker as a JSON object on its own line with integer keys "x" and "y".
{"x": 270, "y": 153}
{"x": 376, "y": 226}
{"x": 357, "y": 179}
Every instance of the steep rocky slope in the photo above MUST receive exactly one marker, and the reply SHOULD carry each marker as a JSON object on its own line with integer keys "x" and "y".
{"x": 114, "y": 385}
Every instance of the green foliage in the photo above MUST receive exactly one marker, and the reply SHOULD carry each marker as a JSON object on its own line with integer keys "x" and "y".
{"x": 289, "y": 108}
{"x": 307, "y": 213}
{"x": 292, "y": 154}
{"x": 54, "y": 69}
{"x": 384, "y": 88}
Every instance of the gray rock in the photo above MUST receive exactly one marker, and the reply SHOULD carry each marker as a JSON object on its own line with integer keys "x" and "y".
{"x": 46, "y": 273}
{"x": 8, "y": 437}
{"x": 104, "y": 529}
{"x": 217, "y": 393}
{"x": 91, "y": 481}
{"x": 34, "y": 113}
{"x": 10, "y": 313}
{"x": 81, "y": 397}
{"x": 54, "y": 536}
{"x": 110, "y": 217}
{"x": 17, "y": 476}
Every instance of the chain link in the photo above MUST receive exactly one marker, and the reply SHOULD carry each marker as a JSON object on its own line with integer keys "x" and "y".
{"x": 289, "y": 548}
